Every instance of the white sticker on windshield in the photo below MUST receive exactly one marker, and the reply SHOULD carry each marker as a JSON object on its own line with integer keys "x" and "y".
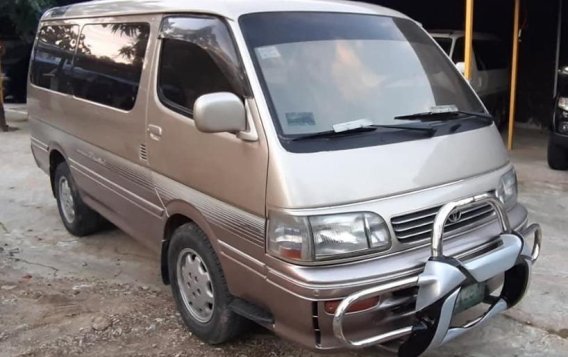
{"x": 268, "y": 52}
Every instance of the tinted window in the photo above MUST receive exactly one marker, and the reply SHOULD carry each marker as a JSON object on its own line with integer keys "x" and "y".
{"x": 493, "y": 54}
{"x": 459, "y": 51}
{"x": 445, "y": 43}
{"x": 197, "y": 57}
{"x": 489, "y": 54}
{"x": 109, "y": 62}
{"x": 53, "y": 57}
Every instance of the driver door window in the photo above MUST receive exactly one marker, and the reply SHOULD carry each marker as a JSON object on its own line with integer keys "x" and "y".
{"x": 197, "y": 58}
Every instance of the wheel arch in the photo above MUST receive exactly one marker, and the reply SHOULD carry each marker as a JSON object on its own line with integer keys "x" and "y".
{"x": 56, "y": 157}
{"x": 180, "y": 213}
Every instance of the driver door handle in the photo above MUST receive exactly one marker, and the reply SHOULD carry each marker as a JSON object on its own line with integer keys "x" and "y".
{"x": 154, "y": 131}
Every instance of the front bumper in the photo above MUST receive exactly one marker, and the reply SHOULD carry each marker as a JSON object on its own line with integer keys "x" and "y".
{"x": 442, "y": 280}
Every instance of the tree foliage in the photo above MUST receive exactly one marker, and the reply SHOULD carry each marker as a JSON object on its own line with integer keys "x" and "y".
{"x": 25, "y": 14}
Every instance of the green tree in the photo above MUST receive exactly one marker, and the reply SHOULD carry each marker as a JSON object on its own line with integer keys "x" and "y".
{"x": 24, "y": 15}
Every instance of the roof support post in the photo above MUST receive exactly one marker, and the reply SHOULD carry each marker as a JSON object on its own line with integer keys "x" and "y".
{"x": 468, "y": 56}
{"x": 514, "y": 73}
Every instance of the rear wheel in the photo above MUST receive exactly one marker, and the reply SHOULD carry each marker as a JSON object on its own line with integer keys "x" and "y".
{"x": 557, "y": 156}
{"x": 77, "y": 217}
{"x": 199, "y": 287}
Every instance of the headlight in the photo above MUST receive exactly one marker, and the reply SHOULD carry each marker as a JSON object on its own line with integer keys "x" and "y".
{"x": 563, "y": 103}
{"x": 317, "y": 238}
{"x": 507, "y": 191}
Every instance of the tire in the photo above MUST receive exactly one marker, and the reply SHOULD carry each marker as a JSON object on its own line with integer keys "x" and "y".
{"x": 212, "y": 321}
{"x": 77, "y": 217}
{"x": 557, "y": 156}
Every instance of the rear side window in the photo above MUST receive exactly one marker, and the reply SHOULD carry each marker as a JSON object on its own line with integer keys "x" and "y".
{"x": 489, "y": 54}
{"x": 108, "y": 64}
{"x": 197, "y": 57}
{"x": 53, "y": 57}
{"x": 492, "y": 53}
{"x": 445, "y": 43}
{"x": 459, "y": 51}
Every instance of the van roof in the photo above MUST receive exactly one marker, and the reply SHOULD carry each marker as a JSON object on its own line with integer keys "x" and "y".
{"x": 230, "y": 9}
{"x": 460, "y": 33}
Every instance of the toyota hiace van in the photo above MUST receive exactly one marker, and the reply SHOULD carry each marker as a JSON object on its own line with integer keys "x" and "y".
{"x": 318, "y": 167}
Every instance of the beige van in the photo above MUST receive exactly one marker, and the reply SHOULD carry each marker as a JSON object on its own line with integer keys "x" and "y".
{"x": 318, "y": 167}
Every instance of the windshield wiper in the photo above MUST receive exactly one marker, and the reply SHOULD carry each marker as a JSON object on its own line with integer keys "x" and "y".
{"x": 441, "y": 112}
{"x": 333, "y": 133}
{"x": 363, "y": 129}
{"x": 428, "y": 129}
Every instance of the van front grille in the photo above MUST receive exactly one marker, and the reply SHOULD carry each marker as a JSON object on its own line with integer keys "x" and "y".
{"x": 418, "y": 225}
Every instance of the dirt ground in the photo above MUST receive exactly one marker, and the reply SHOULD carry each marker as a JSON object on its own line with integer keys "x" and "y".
{"x": 102, "y": 295}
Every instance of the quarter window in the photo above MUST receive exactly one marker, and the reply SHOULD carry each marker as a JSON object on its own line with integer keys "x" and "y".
{"x": 108, "y": 64}
{"x": 53, "y": 57}
{"x": 197, "y": 58}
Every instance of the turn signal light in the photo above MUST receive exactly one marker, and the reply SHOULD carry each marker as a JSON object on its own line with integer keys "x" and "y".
{"x": 331, "y": 306}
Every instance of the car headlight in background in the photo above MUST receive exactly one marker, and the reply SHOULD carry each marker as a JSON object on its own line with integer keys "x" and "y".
{"x": 320, "y": 238}
{"x": 563, "y": 103}
{"x": 507, "y": 191}
{"x": 562, "y": 125}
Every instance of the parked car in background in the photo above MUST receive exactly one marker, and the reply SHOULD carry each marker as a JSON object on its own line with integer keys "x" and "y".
{"x": 490, "y": 70}
{"x": 14, "y": 64}
{"x": 558, "y": 139}
{"x": 318, "y": 167}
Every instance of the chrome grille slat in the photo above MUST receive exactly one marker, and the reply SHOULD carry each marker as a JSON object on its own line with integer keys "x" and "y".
{"x": 413, "y": 234}
{"x": 418, "y": 225}
{"x": 415, "y": 216}
{"x": 402, "y": 228}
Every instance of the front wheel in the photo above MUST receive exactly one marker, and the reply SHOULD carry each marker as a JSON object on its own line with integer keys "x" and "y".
{"x": 199, "y": 287}
{"x": 557, "y": 156}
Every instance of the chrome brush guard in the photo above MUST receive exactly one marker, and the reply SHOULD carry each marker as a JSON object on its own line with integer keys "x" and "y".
{"x": 443, "y": 278}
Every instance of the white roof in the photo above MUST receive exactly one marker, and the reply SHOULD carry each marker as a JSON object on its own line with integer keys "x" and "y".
{"x": 230, "y": 9}
{"x": 460, "y": 33}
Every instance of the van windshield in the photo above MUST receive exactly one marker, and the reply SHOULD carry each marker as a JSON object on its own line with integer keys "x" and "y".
{"x": 323, "y": 69}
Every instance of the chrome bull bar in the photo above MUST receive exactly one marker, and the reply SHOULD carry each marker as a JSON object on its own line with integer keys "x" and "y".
{"x": 443, "y": 278}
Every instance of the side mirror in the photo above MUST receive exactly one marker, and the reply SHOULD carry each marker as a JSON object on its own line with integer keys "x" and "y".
{"x": 219, "y": 112}
{"x": 461, "y": 67}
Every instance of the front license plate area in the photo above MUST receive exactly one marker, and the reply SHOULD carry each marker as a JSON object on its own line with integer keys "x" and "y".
{"x": 470, "y": 296}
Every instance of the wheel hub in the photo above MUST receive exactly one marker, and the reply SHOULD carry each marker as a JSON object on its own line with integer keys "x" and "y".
{"x": 66, "y": 200}
{"x": 195, "y": 284}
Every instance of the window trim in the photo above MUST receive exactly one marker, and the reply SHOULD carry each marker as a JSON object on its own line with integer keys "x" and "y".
{"x": 187, "y": 112}
{"x": 141, "y": 70}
